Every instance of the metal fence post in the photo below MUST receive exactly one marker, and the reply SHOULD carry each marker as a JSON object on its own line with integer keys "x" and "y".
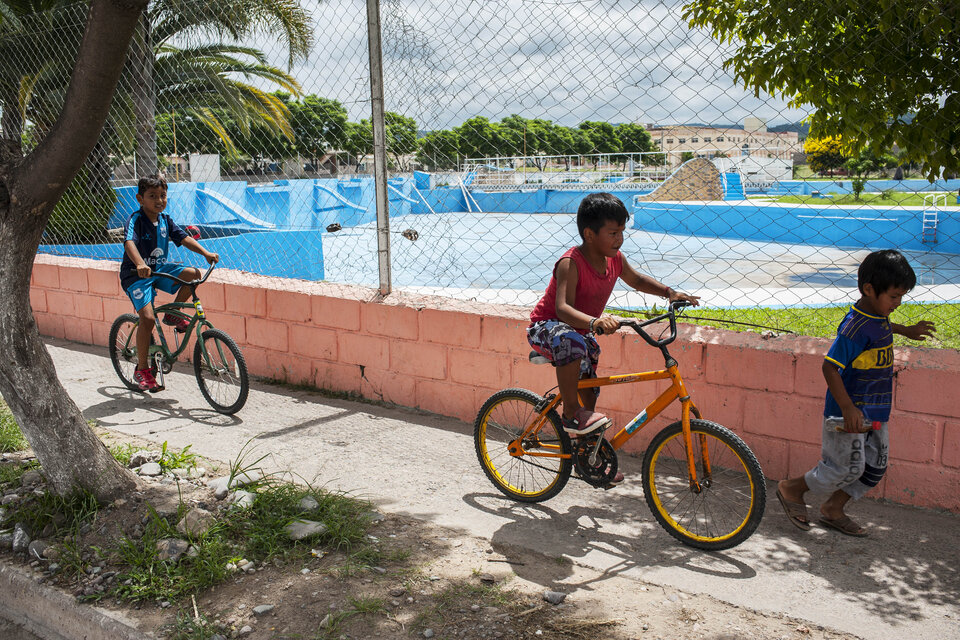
{"x": 379, "y": 145}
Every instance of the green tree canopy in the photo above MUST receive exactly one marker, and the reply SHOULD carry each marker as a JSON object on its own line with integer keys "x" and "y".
{"x": 877, "y": 73}
{"x": 401, "y": 137}
{"x": 439, "y": 150}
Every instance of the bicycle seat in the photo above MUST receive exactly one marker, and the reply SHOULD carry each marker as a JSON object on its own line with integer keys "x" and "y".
{"x": 536, "y": 358}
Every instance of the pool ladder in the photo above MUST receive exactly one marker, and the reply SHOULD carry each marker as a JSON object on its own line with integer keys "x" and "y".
{"x": 931, "y": 216}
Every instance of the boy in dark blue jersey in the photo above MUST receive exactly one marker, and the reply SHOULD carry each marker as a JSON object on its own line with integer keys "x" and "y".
{"x": 145, "y": 249}
{"x": 858, "y": 369}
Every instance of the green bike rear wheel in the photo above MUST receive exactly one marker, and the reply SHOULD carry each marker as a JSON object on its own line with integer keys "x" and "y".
{"x": 122, "y": 345}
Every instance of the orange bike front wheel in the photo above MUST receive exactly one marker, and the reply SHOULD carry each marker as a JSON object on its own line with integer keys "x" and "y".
{"x": 725, "y": 505}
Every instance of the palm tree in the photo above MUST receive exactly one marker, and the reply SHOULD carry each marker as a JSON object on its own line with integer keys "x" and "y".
{"x": 34, "y": 43}
{"x": 167, "y": 77}
{"x": 201, "y": 82}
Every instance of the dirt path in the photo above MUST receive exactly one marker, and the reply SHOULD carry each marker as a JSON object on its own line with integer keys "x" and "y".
{"x": 904, "y": 581}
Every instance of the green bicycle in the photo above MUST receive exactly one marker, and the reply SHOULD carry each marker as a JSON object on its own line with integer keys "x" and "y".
{"x": 218, "y": 363}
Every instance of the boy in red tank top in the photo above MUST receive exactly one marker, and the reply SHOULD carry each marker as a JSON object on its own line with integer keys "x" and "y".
{"x": 564, "y": 321}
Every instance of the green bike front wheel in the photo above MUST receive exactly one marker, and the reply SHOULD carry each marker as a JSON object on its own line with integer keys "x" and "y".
{"x": 726, "y": 505}
{"x": 221, "y": 371}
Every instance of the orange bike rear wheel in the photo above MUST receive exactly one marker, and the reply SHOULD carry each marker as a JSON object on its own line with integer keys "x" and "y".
{"x": 526, "y": 478}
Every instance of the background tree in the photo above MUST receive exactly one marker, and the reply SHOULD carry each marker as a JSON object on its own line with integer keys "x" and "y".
{"x": 602, "y": 137}
{"x": 71, "y": 454}
{"x": 479, "y": 138}
{"x": 860, "y": 166}
{"x": 401, "y": 138}
{"x": 633, "y": 139}
{"x": 359, "y": 141}
{"x": 876, "y": 73}
{"x": 227, "y": 23}
{"x": 319, "y": 124}
{"x": 439, "y": 150}
{"x": 824, "y": 154}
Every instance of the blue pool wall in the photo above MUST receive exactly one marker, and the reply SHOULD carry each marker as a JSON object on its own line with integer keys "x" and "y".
{"x": 254, "y": 226}
{"x": 314, "y": 204}
{"x": 844, "y": 186}
{"x": 834, "y": 226}
{"x": 271, "y": 253}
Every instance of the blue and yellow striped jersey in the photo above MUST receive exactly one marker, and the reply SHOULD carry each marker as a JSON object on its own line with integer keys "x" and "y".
{"x": 863, "y": 352}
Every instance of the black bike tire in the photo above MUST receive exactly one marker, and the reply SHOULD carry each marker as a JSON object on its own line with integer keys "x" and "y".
{"x": 217, "y": 334}
{"x": 112, "y": 347}
{"x": 480, "y": 444}
{"x": 751, "y": 520}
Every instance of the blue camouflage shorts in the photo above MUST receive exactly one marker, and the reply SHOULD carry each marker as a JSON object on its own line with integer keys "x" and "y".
{"x": 562, "y": 344}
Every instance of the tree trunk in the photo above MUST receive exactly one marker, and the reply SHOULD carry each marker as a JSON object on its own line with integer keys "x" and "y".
{"x": 71, "y": 454}
{"x": 144, "y": 99}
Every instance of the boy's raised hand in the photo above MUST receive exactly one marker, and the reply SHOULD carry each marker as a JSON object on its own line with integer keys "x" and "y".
{"x": 920, "y": 331}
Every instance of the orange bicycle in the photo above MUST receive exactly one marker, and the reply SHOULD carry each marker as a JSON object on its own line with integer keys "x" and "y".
{"x": 701, "y": 481}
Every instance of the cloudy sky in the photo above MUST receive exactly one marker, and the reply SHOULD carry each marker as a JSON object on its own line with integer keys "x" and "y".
{"x": 563, "y": 60}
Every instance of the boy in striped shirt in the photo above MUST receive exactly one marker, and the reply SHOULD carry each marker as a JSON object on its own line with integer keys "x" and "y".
{"x": 858, "y": 369}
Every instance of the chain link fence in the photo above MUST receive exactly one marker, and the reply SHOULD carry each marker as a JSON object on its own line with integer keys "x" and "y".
{"x": 501, "y": 116}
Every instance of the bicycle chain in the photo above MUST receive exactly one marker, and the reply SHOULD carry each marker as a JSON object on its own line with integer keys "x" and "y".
{"x": 596, "y": 465}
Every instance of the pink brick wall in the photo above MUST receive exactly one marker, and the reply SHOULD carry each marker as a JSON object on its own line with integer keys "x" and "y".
{"x": 447, "y": 357}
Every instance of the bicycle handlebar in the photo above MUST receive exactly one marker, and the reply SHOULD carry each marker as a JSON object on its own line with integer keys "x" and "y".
{"x": 189, "y": 283}
{"x": 671, "y": 314}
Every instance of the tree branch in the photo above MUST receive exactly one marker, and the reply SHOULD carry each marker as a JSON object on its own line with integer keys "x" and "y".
{"x": 44, "y": 174}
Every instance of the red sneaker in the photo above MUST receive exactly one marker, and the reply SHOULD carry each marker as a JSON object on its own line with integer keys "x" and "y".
{"x": 179, "y": 324}
{"x": 145, "y": 380}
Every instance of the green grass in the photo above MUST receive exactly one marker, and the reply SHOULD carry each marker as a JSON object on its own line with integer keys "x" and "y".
{"x": 123, "y": 452}
{"x": 172, "y": 459}
{"x": 256, "y": 534}
{"x": 66, "y": 514}
{"x": 823, "y": 321}
{"x": 11, "y": 439}
{"x": 886, "y": 199}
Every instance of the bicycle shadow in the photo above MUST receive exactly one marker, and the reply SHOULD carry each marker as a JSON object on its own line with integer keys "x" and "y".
{"x": 905, "y": 568}
{"x": 584, "y": 533}
{"x": 123, "y": 401}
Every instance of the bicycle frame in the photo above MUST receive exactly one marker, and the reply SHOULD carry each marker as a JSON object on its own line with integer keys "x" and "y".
{"x": 676, "y": 391}
{"x": 198, "y": 322}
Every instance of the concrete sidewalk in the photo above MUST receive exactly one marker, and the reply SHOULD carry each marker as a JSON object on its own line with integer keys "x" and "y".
{"x": 902, "y": 582}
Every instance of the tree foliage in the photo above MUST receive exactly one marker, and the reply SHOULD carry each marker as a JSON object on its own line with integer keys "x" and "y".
{"x": 824, "y": 154}
{"x": 877, "y": 73}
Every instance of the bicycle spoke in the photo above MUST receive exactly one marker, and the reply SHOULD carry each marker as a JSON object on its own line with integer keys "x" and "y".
{"x": 726, "y": 501}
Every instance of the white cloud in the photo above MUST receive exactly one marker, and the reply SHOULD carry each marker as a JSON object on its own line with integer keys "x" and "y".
{"x": 563, "y": 60}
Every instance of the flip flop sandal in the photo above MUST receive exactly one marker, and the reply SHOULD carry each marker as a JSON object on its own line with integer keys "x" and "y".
{"x": 845, "y": 526}
{"x": 794, "y": 510}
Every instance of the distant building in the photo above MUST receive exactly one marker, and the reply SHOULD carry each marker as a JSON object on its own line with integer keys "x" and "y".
{"x": 707, "y": 142}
